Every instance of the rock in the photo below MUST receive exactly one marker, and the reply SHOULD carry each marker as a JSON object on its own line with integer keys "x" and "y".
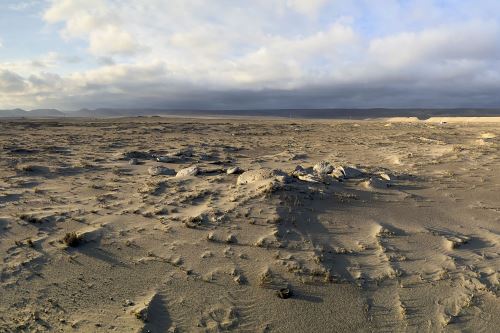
{"x": 159, "y": 170}
{"x": 323, "y": 168}
{"x": 136, "y": 154}
{"x": 259, "y": 175}
{"x": 346, "y": 172}
{"x": 183, "y": 153}
{"x": 235, "y": 170}
{"x": 167, "y": 159}
{"x": 377, "y": 183}
{"x": 231, "y": 239}
{"x": 211, "y": 237}
{"x": 307, "y": 175}
{"x": 128, "y": 302}
{"x": 284, "y": 293}
{"x": 300, "y": 170}
{"x": 309, "y": 178}
{"x": 385, "y": 176}
{"x": 133, "y": 161}
{"x": 191, "y": 171}
{"x": 337, "y": 173}
{"x": 352, "y": 172}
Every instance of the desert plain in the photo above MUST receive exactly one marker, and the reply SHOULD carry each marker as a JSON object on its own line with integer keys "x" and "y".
{"x": 153, "y": 224}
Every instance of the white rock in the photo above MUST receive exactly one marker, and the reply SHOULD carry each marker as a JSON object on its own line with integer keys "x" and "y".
{"x": 309, "y": 178}
{"x": 191, "y": 171}
{"x": 337, "y": 173}
{"x": 346, "y": 172}
{"x": 323, "y": 168}
{"x": 385, "y": 176}
{"x": 234, "y": 170}
{"x": 259, "y": 175}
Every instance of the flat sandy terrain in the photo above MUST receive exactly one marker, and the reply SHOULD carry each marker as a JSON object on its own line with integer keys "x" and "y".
{"x": 135, "y": 225}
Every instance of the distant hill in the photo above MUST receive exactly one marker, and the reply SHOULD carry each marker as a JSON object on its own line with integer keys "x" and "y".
{"x": 37, "y": 113}
{"x": 282, "y": 113}
{"x": 292, "y": 113}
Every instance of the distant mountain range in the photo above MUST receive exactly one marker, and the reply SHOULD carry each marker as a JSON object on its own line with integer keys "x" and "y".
{"x": 286, "y": 113}
{"x": 32, "y": 114}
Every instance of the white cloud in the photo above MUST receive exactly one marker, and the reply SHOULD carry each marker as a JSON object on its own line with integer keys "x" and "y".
{"x": 23, "y": 5}
{"x": 237, "y": 53}
{"x": 110, "y": 39}
{"x": 307, "y": 7}
{"x": 472, "y": 40}
{"x": 94, "y": 20}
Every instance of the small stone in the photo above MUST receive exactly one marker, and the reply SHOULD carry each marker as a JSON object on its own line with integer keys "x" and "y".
{"x": 159, "y": 170}
{"x": 128, "y": 303}
{"x": 234, "y": 171}
{"x": 239, "y": 279}
{"x": 133, "y": 161}
{"x": 284, "y": 293}
{"x": 231, "y": 239}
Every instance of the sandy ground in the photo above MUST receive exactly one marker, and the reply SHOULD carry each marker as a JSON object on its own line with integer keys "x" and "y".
{"x": 135, "y": 225}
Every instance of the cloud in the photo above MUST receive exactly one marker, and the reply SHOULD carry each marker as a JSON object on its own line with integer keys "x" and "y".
{"x": 307, "y": 7}
{"x": 11, "y": 82}
{"x": 283, "y": 53}
{"x": 23, "y": 5}
{"x": 469, "y": 40}
{"x": 95, "y": 21}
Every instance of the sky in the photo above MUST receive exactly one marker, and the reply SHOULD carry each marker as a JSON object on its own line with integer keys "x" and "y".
{"x": 236, "y": 54}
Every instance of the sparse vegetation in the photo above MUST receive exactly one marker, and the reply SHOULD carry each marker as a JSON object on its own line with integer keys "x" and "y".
{"x": 72, "y": 239}
{"x": 32, "y": 219}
